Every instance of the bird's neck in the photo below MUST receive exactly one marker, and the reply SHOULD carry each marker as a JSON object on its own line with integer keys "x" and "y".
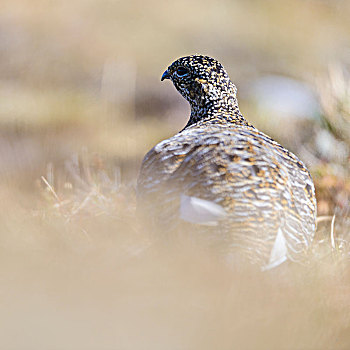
{"x": 224, "y": 112}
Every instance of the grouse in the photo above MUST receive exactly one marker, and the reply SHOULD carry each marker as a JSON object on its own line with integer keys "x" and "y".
{"x": 224, "y": 177}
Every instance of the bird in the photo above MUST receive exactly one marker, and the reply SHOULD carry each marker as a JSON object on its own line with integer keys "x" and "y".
{"x": 224, "y": 178}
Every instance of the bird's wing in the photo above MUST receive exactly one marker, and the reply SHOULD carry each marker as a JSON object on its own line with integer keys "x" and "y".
{"x": 300, "y": 206}
{"x": 298, "y": 202}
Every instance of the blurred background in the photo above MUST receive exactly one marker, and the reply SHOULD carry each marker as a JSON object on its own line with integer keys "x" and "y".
{"x": 81, "y": 102}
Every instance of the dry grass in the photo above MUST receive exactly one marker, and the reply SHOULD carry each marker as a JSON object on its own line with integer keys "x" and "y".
{"x": 80, "y": 272}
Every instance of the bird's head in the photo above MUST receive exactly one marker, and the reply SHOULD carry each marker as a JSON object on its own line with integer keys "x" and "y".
{"x": 202, "y": 81}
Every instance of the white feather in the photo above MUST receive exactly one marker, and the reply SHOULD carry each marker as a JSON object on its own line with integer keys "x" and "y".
{"x": 200, "y": 211}
{"x": 279, "y": 252}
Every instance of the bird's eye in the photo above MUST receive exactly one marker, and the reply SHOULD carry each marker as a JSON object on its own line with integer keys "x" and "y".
{"x": 181, "y": 71}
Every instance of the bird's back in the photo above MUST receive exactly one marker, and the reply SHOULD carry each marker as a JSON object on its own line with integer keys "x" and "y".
{"x": 261, "y": 186}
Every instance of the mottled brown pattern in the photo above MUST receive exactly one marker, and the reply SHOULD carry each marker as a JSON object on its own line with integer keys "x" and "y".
{"x": 222, "y": 158}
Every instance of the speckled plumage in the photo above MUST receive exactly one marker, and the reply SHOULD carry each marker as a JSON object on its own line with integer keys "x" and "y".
{"x": 265, "y": 192}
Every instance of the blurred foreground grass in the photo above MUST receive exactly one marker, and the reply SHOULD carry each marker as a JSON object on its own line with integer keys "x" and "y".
{"x": 80, "y": 272}
{"x": 81, "y": 103}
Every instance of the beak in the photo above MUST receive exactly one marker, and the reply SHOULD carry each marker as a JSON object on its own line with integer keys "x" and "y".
{"x": 165, "y": 75}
